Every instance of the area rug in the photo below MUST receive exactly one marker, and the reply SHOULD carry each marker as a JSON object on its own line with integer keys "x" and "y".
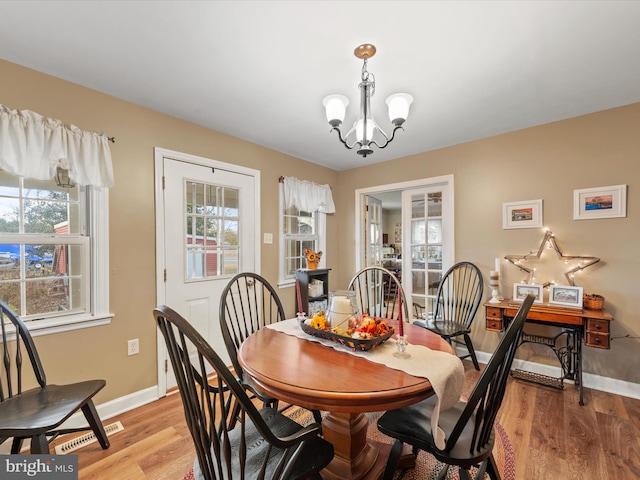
{"x": 427, "y": 467}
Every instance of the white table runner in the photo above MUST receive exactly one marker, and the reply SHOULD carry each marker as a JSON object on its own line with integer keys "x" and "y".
{"x": 444, "y": 371}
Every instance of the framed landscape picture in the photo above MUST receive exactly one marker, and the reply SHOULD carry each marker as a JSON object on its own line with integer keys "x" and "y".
{"x": 521, "y": 290}
{"x": 525, "y": 214}
{"x": 601, "y": 202}
{"x": 565, "y": 295}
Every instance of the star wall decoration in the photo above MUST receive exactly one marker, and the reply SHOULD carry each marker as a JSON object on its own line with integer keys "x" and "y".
{"x": 574, "y": 263}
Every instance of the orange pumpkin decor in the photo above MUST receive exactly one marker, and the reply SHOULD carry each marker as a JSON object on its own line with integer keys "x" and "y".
{"x": 312, "y": 258}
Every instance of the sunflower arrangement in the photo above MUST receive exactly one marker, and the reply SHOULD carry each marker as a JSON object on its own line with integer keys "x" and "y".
{"x": 313, "y": 258}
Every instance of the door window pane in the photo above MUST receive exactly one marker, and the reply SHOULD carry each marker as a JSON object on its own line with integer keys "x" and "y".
{"x": 212, "y": 230}
{"x": 417, "y": 207}
{"x": 434, "y": 228}
{"x": 417, "y": 231}
{"x": 434, "y": 202}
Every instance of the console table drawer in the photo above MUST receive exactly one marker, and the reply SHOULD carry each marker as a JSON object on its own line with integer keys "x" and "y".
{"x": 495, "y": 325}
{"x": 494, "y": 319}
{"x": 601, "y": 326}
{"x": 598, "y": 340}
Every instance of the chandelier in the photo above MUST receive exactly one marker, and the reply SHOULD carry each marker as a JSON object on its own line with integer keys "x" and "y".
{"x": 365, "y": 128}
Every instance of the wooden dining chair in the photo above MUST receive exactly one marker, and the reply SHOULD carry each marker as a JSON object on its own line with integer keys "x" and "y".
{"x": 377, "y": 292}
{"x": 38, "y": 413}
{"x": 247, "y": 304}
{"x": 457, "y": 301}
{"x": 264, "y": 443}
{"x": 468, "y": 426}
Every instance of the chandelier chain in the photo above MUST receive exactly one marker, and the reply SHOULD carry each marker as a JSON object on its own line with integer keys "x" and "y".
{"x": 368, "y": 76}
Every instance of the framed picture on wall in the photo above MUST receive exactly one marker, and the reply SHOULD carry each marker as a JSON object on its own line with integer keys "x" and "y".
{"x": 525, "y": 214}
{"x": 602, "y": 202}
{"x": 521, "y": 290}
{"x": 565, "y": 295}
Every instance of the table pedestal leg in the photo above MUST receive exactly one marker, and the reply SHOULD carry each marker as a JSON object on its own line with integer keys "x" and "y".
{"x": 354, "y": 458}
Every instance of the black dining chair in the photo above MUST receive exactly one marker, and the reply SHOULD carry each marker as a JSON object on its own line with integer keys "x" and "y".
{"x": 264, "y": 444}
{"x": 247, "y": 304}
{"x": 457, "y": 301}
{"x": 377, "y": 292}
{"x": 468, "y": 426}
{"x": 38, "y": 413}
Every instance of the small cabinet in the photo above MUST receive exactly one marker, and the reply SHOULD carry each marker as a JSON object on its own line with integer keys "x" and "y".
{"x": 314, "y": 290}
{"x": 597, "y": 333}
{"x": 494, "y": 319}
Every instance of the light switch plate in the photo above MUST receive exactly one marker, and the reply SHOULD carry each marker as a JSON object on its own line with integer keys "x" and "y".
{"x": 268, "y": 238}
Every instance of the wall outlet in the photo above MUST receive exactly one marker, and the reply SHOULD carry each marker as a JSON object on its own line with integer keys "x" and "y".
{"x": 133, "y": 347}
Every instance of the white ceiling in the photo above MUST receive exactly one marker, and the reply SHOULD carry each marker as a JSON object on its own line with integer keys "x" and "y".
{"x": 259, "y": 70}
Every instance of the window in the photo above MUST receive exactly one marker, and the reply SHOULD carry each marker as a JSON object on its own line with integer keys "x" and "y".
{"x": 212, "y": 247}
{"x": 298, "y": 230}
{"x": 53, "y": 253}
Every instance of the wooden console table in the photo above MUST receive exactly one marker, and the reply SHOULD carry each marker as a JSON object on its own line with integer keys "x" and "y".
{"x": 567, "y": 345}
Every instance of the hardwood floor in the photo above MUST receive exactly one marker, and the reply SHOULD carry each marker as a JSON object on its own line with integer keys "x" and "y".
{"x": 552, "y": 435}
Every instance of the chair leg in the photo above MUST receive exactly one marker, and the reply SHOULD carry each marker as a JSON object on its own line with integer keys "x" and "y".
{"x": 16, "y": 445}
{"x": 482, "y": 468}
{"x": 463, "y": 473}
{"x": 472, "y": 352}
{"x": 95, "y": 423}
{"x": 443, "y": 473}
{"x": 39, "y": 445}
{"x": 317, "y": 416}
{"x": 392, "y": 462}
{"x": 492, "y": 468}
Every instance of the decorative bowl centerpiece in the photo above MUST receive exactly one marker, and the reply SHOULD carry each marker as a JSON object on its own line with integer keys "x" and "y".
{"x": 360, "y": 333}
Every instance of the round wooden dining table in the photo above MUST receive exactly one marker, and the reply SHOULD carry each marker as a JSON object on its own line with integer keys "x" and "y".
{"x": 311, "y": 375}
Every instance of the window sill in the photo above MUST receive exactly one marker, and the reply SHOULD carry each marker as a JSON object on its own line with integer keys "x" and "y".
{"x": 289, "y": 282}
{"x": 67, "y": 324}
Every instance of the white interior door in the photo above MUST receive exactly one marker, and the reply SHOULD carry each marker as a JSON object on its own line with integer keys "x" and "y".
{"x": 210, "y": 216}
{"x": 373, "y": 231}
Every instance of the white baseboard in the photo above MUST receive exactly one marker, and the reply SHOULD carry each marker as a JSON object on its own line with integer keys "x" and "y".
{"x": 116, "y": 406}
{"x": 589, "y": 380}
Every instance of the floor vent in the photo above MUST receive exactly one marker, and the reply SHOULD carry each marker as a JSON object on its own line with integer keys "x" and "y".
{"x": 86, "y": 439}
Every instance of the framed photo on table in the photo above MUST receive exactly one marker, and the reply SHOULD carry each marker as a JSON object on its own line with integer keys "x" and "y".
{"x": 521, "y": 290}
{"x": 565, "y": 295}
{"x": 525, "y": 214}
{"x": 601, "y": 202}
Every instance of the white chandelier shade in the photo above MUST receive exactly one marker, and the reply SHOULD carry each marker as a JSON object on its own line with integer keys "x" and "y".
{"x": 399, "y": 104}
{"x": 336, "y": 108}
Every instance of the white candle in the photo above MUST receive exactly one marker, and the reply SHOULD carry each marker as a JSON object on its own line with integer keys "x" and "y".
{"x": 497, "y": 267}
{"x": 494, "y": 278}
{"x": 340, "y": 310}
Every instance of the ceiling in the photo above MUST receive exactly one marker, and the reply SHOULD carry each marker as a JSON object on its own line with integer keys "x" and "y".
{"x": 259, "y": 70}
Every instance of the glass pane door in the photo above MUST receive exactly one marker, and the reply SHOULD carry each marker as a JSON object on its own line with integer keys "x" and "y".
{"x": 427, "y": 217}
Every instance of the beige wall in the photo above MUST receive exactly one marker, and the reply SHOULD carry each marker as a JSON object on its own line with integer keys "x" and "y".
{"x": 546, "y": 162}
{"x": 101, "y": 352}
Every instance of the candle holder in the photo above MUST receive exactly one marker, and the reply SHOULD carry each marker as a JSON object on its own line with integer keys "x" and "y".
{"x": 342, "y": 309}
{"x": 494, "y": 283}
{"x": 401, "y": 343}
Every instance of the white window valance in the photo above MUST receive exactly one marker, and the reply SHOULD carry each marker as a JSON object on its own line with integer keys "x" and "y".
{"x": 308, "y": 196}
{"x": 33, "y": 146}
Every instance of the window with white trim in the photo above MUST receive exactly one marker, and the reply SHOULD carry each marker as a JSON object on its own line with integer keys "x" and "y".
{"x": 298, "y": 230}
{"x": 53, "y": 253}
